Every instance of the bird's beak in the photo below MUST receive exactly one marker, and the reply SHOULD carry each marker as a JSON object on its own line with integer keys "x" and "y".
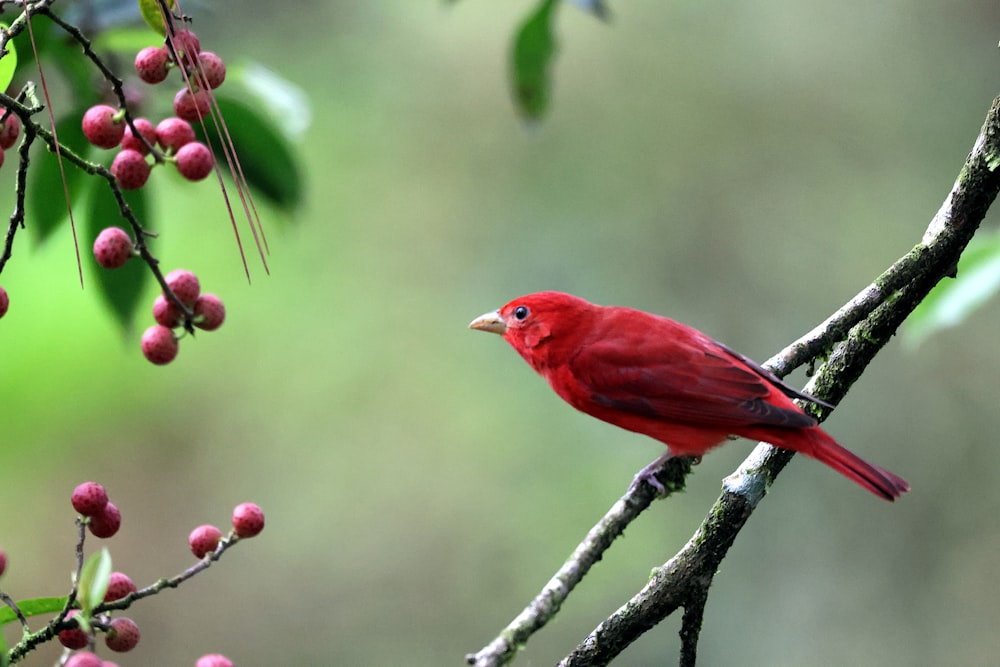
{"x": 491, "y": 322}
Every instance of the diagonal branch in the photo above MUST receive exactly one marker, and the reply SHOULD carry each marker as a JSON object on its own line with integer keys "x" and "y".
{"x": 851, "y": 337}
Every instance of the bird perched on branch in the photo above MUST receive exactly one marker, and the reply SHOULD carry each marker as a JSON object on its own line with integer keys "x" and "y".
{"x": 652, "y": 375}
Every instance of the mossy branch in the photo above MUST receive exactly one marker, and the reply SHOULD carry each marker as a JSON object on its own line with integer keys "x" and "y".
{"x": 849, "y": 340}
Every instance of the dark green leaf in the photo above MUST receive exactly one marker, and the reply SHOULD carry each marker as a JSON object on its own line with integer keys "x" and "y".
{"x": 534, "y": 48}
{"x": 46, "y": 201}
{"x": 94, "y": 579}
{"x": 32, "y": 607}
{"x": 267, "y": 158}
{"x": 121, "y": 288}
{"x": 953, "y": 300}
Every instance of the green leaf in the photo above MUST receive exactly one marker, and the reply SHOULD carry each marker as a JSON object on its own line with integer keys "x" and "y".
{"x": 952, "y": 301}
{"x": 534, "y": 48}
{"x": 32, "y": 607}
{"x": 8, "y": 63}
{"x": 121, "y": 288}
{"x": 267, "y": 158}
{"x": 151, "y": 14}
{"x": 46, "y": 203}
{"x": 94, "y": 579}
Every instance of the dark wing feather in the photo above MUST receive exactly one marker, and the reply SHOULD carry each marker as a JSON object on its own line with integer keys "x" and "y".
{"x": 686, "y": 378}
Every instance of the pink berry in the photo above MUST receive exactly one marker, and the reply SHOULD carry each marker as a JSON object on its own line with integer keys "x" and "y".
{"x": 130, "y": 169}
{"x": 101, "y": 128}
{"x": 112, "y": 248}
{"x": 166, "y": 312}
{"x": 119, "y": 586}
{"x": 4, "y": 302}
{"x": 194, "y": 161}
{"x": 174, "y": 132}
{"x": 3, "y": 561}
{"x": 107, "y": 522}
{"x": 73, "y": 638}
{"x": 159, "y": 345}
{"x": 248, "y": 519}
{"x": 187, "y": 45}
{"x": 146, "y": 129}
{"x": 122, "y": 635}
{"x": 209, "y": 312}
{"x": 84, "y": 659}
{"x": 151, "y": 64}
{"x": 204, "y": 539}
{"x": 10, "y": 131}
{"x": 213, "y": 660}
{"x": 213, "y": 70}
{"x": 184, "y": 284}
{"x": 192, "y": 107}
{"x": 108, "y": 663}
{"x": 89, "y": 498}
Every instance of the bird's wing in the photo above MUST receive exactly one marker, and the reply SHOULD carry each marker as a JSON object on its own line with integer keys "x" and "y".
{"x": 697, "y": 382}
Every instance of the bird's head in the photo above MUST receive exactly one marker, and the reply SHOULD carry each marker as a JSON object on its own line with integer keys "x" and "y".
{"x": 532, "y": 321}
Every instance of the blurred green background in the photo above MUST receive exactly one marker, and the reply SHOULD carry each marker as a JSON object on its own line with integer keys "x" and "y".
{"x": 745, "y": 168}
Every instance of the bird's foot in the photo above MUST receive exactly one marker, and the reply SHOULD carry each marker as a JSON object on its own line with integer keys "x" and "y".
{"x": 648, "y": 474}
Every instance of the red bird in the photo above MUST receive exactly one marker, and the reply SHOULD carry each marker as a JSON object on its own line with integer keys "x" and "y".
{"x": 652, "y": 375}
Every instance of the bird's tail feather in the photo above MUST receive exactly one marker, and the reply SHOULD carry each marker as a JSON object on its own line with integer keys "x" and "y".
{"x": 879, "y": 481}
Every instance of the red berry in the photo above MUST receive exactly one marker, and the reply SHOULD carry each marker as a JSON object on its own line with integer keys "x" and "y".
{"x": 4, "y": 302}
{"x": 213, "y": 70}
{"x": 101, "y": 128}
{"x": 194, "y": 161}
{"x": 192, "y": 107}
{"x": 159, "y": 345}
{"x": 84, "y": 659}
{"x": 151, "y": 64}
{"x": 204, "y": 539}
{"x": 73, "y": 638}
{"x": 119, "y": 586}
{"x": 213, "y": 660}
{"x": 112, "y": 248}
{"x": 146, "y": 129}
{"x": 107, "y": 522}
{"x": 130, "y": 169}
{"x": 248, "y": 519}
{"x": 209, "y": 312}
{"x": 122, "y": 635}
{"x": 174, "y": 132}
{"x": 89, "y": 498}
{"x": 3, "y": 561}
{"x": 166, "y": 312}
{"x": 10, "y": 131}
{"x": 186, "y": 44}
{"x": 184, "y": 284}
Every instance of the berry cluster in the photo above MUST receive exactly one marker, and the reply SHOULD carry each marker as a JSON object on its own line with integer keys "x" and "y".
{"x": 160, "y": 344}
{"x": 248, "y": 521}
{"x": 173, "y": 139}
{"x": 91, "y": 500}
{"x": 122, "y": 634}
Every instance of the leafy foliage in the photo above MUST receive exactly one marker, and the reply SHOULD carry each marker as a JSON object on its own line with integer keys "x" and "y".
{"x": 953, "y": 301}
{"x": 534, "y": 48}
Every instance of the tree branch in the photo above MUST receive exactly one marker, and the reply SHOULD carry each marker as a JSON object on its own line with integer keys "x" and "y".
{"x": 851, "y": 337}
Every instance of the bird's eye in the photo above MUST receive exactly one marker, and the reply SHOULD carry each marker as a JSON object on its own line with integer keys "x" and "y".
{"x": 521, "y": 312}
